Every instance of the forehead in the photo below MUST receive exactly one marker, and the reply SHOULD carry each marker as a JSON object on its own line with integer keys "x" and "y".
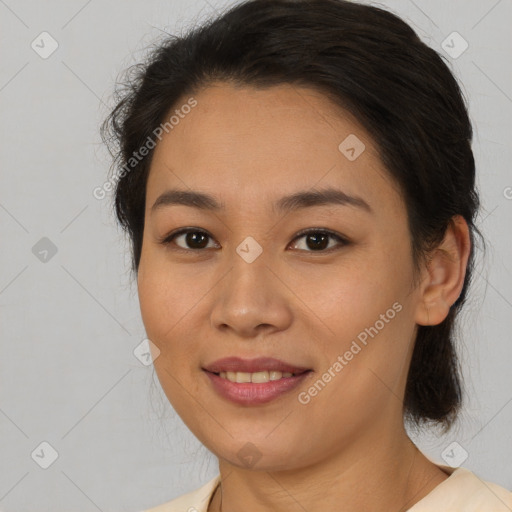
{"x": 244, "y": 143}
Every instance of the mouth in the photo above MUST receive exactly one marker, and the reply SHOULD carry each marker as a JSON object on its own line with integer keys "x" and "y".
{"x": 260, "y": 365}
{"x": 257, "y": 377}
{"x": 254, "y": 381}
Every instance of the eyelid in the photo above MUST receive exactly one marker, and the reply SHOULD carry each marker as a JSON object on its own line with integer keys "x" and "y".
{"x": 167, "y": 239}
{"x": 342, "y": 240}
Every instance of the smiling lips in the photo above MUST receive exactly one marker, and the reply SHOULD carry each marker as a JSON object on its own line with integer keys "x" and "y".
{"x": 253, "y": 381}
{"x": 260, "y": 364}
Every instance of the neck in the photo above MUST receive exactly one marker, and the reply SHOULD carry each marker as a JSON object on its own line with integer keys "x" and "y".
{"x": 378, "y": 476}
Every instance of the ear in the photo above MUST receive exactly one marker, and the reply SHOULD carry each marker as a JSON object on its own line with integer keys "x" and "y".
{"x": 443, "y": 275}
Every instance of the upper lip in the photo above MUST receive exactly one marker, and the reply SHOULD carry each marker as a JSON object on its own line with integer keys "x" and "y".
{"x": 260, "y": 364}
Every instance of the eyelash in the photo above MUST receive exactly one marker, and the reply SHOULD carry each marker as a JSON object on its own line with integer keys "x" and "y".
{"x": 342, "y": 240}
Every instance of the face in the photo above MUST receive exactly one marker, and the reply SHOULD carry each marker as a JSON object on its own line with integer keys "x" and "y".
{"x": 245, "y": 281}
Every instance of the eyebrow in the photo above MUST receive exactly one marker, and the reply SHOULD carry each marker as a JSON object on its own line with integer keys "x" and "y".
{"x": 295, "y": 201}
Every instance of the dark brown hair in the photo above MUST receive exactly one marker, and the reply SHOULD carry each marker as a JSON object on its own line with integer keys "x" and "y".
{"x": 372, "y": 64}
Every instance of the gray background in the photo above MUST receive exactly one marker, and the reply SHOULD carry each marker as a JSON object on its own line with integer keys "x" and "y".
{"x": 70, "y": 323}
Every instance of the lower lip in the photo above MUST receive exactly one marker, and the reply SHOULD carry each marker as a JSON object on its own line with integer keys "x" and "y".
{"x": 248, "y": 393}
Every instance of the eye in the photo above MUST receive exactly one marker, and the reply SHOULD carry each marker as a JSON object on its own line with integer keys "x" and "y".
{"x": 193, "y": 238}
{"x": 318, "y": 240}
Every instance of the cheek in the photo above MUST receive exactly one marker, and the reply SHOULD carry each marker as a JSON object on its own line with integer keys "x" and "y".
{"x": 355, "y": 296}
{"x": 367, "y": 314}
{"x": 161, "y": 299}
{"x": 168, "y": 301}
{"x": 152, "y": 303}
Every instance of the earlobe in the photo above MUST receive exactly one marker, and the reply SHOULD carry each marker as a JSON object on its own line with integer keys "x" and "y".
{"x": 444, "y": 274}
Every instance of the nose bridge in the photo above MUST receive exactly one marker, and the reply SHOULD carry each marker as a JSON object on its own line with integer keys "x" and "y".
{"x": 250, "y": 296}
{"x": 250, "y": 250}
{"x": 249, "y": 265}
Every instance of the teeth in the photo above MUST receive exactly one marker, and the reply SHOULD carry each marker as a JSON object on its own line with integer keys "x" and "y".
{"x": 256, "y": 377}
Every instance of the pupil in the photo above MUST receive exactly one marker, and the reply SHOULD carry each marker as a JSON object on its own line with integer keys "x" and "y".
{"x": 318, "y": 241}
{"x": 195, "y": 238}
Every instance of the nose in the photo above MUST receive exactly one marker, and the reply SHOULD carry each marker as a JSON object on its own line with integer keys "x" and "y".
{"x": 252, "y": 298}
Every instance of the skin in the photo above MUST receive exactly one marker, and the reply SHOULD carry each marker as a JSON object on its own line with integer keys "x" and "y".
{"x": 346, "y": 448}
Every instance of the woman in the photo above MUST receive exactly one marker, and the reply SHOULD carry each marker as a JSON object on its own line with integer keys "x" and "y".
{"x": 298, "y": 184}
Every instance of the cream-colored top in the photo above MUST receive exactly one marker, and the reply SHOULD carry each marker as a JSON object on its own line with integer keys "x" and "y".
{"x": 462, "y": 491}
